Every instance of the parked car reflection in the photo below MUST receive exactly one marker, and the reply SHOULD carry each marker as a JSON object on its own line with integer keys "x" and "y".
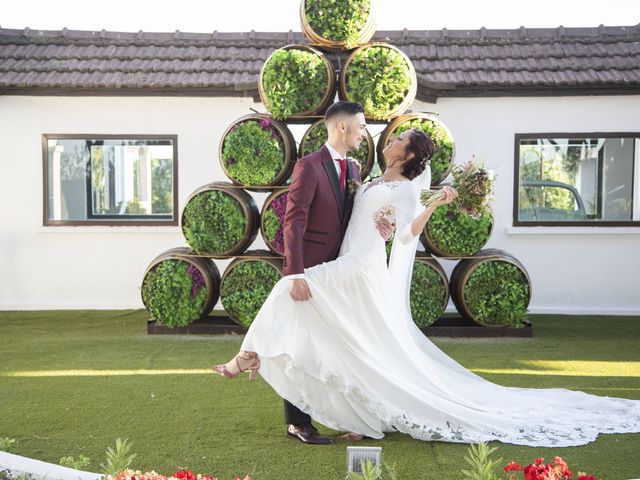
{"x": 548, "y": 200}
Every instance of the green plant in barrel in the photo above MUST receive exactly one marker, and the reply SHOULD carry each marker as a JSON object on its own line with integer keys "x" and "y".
{"x": 174, "y": 292}
{"x": 452, "y": 232}
{"x": 294, "y": 82}
{"x": 213, "y": 222}
{"x": 245, "y": 288}
{"x": 497, "y": 293}
{"x": 428, "y": 295}
{"x": 338, "y": 20}
{"x": 317, "y": 135}
{"x": 253, "y": 152}
{"x": 273, "y": 222}
{"x": 382, "y": 79}
{"x": 442, "y": 159}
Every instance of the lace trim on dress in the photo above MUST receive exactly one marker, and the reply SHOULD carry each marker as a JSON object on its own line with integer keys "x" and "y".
{"x": 549, "y": 432}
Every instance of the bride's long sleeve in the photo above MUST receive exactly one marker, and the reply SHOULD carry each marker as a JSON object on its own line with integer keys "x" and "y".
{"x": 405, "y": 209}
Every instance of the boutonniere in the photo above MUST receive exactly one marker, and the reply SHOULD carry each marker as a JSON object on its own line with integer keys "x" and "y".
{"x": 352, "y": 185}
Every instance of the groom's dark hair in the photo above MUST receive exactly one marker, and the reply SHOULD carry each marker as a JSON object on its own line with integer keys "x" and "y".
{"x": 343, "y": 107}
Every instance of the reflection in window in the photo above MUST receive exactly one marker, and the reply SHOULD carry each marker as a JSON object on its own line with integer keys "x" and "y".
{"x": 576, "y": 179}
{"x": 107, "y": 179}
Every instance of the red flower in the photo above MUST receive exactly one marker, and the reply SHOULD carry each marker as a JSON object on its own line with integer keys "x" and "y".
{"x": 184, "y": 475}
{"x": 539, "y": 460}
{"x": 513, "y": 466}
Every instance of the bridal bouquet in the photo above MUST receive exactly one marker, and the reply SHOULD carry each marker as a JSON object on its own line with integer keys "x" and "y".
{"x": 474, "y": 185}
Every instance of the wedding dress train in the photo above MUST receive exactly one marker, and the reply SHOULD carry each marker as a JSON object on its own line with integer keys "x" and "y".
{"x": 352, "y": 358}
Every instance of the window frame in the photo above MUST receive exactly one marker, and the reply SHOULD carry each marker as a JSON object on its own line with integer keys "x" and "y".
{"x": 601, "y": 223}
{"x": 110, "y": 221}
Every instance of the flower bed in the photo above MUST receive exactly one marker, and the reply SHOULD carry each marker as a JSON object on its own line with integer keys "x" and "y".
{"x": 337, "y": 24}
{"x": 296, "y": 80}
{"x": 429, "y": 293}
{"x": 491, "y": 291}
{"x": 257, "y": 151}
{"x": 316, "y": 136}
{"x": 450, "y": 232}
{"x": 381, "y": 78}
{"x": 178, "y": 290}
{"x": 272, "y": 226}
{"x": 246, "y": 283}
{"x": 219, "y": 220}
{"x": 444, "y": 154}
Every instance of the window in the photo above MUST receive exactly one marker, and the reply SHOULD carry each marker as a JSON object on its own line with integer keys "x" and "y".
{"x": 110, "y": 180}
{"x": 577, "y": 179}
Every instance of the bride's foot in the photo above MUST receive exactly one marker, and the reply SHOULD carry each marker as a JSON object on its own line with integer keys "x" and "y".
{"x": 242, "y": 362}
{"x": 351, "y": 437}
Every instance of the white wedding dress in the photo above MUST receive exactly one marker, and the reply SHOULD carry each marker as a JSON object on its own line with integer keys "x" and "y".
{"x": 352, "y": 358}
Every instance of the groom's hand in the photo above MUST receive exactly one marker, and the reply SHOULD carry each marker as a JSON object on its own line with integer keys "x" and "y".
{"x": 385, "y": 227}
{"x": 299, "y": 290}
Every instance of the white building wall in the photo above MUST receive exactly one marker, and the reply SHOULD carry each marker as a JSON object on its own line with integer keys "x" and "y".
{"x": 573, "y": 270}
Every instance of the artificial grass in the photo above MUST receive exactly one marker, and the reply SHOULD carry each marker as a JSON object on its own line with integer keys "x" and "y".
{"x": 73, "y": 381}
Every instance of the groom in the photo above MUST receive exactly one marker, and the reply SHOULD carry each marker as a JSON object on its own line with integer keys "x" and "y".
{"x": 318, "y": 210}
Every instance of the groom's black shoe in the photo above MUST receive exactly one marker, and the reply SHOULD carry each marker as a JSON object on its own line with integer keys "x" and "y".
{"x": 307, "y": 433}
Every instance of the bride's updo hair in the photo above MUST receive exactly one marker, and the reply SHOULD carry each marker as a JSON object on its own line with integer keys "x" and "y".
{"x": 423, "y": 148}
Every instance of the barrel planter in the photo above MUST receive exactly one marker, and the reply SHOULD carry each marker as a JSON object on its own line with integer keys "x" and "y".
{"x": 178, "y": 289}
{"x": 272, "y": 220}
{"x": 296, "y": 81}
{"x": 492, "y": 289}
{"x": 316, "y": 136}
{"x": 220, "y": 220}
{"x": 381, "y": 78}
{"x": 450, "y": 232}
{"x": 444, "y": 154}
{"x": 257, "y": 151}
{"x": 247, "y": 282}
{"x": 337, "y": 25}
{"x": 429, "y": 293}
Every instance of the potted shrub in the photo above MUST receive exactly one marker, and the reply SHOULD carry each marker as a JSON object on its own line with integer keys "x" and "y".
{"x": 381, "y": 78}
{"x": 272, "y": 223}
{"x": 257, "y": 151}
{"x": 444, "y": 154}
{"x": 220, "y": 220}
{"x": 295, "y": 81}
{"x": 492, "y": 289}
{"x": 316, "y": 136}
{"x": 429, "y": 292}
{"x": 337, "y": 24}
{"x": 450, "y": 232}
{"x": 178, "y": 289}
{"x": 247, "y": 282}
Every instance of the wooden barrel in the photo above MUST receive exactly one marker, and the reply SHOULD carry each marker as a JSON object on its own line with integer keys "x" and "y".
{"x": 363, "y": 35}
{"x": 492, "y": 289}
{"x": 272, "y": 220}
{"x": 182, "y": 306}
{"x": 327, "y": 97}
{"x": 220, "y": 219}
{"x": 395, "y": 110}
{"x": 429, "y": 294}
{"x": 246, "y": 283}
{"x": 448, "y": 224}
{"x": 445, "y": 151}
{"x": 316, "y": 136}
{"x": 252, "y": 176}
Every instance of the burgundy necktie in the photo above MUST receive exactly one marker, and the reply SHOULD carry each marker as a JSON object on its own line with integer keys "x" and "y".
{"x": 343, "y": 173}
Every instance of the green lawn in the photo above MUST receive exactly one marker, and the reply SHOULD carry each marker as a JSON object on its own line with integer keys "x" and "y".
{"x": 73, "y": 381}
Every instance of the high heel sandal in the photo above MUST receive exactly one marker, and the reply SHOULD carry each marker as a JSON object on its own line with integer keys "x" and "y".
{"x": 253, "y": 367}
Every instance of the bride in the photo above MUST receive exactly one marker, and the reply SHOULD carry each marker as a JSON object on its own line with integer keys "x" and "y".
{"x": 353, "y": 359}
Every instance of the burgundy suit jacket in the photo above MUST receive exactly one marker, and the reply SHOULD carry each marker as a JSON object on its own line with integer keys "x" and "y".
{"x": 317, "y": 211}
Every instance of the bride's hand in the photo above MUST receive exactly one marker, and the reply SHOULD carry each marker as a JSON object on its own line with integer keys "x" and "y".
{"x": 450, "y": 195}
